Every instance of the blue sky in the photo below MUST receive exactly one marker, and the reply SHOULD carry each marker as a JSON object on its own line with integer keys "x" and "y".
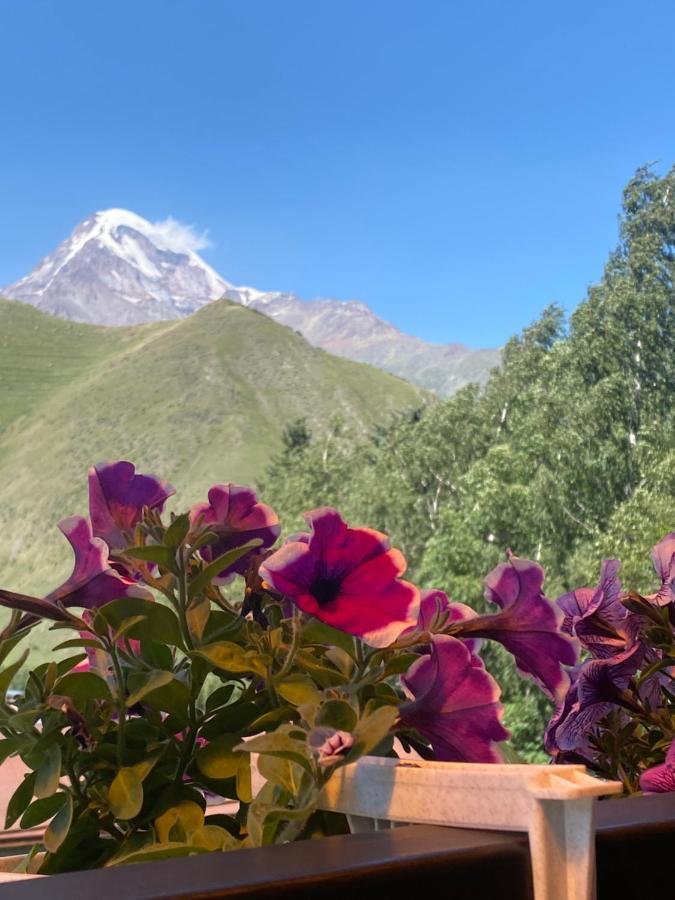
{"x": 456, "y": 165}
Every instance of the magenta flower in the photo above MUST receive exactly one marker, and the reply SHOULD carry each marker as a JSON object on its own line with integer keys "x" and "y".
{"x": 660, "y": 779}
{"x": 456, "y": 703}
{"x": 235, "y": 515}
{"x": 528, "y": 625}
{"x": 596, "y": 615}
{"x": 93, "y": 581}
{"x": 663, "y": 557}
{"x": 348, "y": 578}
{"x": 117, "y": 497}
{"x": 437, "y": 612}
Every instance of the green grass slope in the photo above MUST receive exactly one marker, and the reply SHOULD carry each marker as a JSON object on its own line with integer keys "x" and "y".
{"x": 199, "y": 400}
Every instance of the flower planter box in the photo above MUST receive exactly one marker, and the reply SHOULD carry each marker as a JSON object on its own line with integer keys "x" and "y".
{"x": 555, "y": 805}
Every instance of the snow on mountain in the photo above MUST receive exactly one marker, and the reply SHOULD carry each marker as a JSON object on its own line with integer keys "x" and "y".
{"x": 118, "y": 268}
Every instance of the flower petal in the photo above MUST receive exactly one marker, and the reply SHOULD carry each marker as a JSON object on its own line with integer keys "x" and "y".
{"x": 456, "y": 704}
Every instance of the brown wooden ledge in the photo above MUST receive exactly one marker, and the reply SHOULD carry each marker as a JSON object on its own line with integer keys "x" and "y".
{"x": 634, "y": 852}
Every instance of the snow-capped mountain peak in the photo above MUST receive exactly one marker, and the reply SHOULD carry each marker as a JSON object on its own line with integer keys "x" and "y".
{"x": 118, "y": 268}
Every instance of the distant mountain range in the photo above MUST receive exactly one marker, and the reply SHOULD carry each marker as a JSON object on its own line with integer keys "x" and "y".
{"x": 117, "y": 268}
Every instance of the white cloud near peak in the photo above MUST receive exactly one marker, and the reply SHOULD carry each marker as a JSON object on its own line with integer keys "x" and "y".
{"x": 173, "y": 235}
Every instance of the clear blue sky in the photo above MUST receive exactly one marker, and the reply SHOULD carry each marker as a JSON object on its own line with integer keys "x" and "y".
{"x": 456, "y": 165}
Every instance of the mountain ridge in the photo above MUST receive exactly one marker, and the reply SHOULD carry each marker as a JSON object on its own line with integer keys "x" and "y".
{"x": 199, "y": 400}
{"x": 119, "y": 269}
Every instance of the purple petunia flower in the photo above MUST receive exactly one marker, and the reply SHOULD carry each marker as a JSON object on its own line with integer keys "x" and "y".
{"x": 117, "y": 497}
{"x": 93, "y": 581}
{"x": 235, "y": 515}
{"x": 456, "y": 703}
{"x": 663, "y": 557}
{"x": 598, "y": 687}
{"x": 596, "y": 615}
{"x": 660, "y": 779}
{"x": 348, "y": 578}
{"x": 528, "y": 626}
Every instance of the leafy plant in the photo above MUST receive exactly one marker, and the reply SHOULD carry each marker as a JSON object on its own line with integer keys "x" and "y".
{"x": 193, "y": 646}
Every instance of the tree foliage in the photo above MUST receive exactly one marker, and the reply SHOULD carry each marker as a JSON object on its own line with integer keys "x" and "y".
{"x": 567, "y": 453}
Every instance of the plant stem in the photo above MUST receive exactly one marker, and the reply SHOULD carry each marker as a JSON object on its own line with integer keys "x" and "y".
{"x": 183, "y": 600}
{"x": 293, "y": 649}
{"x": 121, "y": 704}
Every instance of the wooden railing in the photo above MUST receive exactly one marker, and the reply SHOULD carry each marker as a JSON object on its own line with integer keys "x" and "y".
{"x": 635, "y": 840}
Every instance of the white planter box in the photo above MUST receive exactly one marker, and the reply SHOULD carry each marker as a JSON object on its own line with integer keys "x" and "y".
{"x": 7, "y": 873}
{"x": 555, "y": 805}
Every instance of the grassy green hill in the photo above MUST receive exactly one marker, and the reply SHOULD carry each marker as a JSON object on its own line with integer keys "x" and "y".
{"x": 199, "y": 400}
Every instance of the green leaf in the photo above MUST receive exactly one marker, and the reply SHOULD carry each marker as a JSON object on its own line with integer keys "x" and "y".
{"x": 157, "y": 851}
{"x": 220, "y": 697}
{"x": 337, "y": 714}
{"x": 156, "y": 655}
{"x": 283, "y": 772}
{"x": 8, "y": 644}
{"x": 88, "y": 643}
{"x": 214, "y": 569}
{"x": 126, "y": 627}
{"x": 400, "y": 663}
{"x": 59, "y": 827}
{"x": 177, "y": 531}
{"x": 20, "y": 799}
{"x": 47, "y": 776}
{"x": 217, "y": 759}
{"x": 142, "y": 683}
{"x": 197, "y": 615}
{"x": 125, "y": 795}
{"x": 211, "y": 837}
{"x": 11, "y": 745}
{"x": 143, "y": 768}
{"x": 321, "y": 673}
{"x": 8, "y": 674}
{"x": 316, "y": 632}
{"x": 155, "y": 553}
{"x": 269, "y": 720}
{"x": 371, "y": 730}
{"x": 82, "y": 686}
{"x": 41, "y": 810}
{"x": 230, "y": 657}
{"x": 298, "y": 689}
{"x": 186, "y": 814}
{"x": 235, "y": 718}
{"x": 160, "y": 623}
{"x": 281, "y": 745}
{"x": 244, "y": 787}
{"x": 161, "y": 690}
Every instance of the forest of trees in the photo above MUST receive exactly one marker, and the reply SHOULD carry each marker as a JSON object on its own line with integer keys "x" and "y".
{"x": 566, "y": 456}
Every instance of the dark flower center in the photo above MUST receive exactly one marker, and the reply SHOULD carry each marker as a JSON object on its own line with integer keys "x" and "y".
{"x": 326, "y": 589}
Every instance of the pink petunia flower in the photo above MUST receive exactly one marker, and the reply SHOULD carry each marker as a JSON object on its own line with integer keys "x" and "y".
{"x": 527, "y": 626}
{"x": 660, "y": 779}
{"x": 455, "y": 703}
{"x": 663, "y": 556}
{"x": 93, "y": 582}
{"x": 234, "y": 513}
{"x": 117, "y": 497}
{"x": 348, "y": 578}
